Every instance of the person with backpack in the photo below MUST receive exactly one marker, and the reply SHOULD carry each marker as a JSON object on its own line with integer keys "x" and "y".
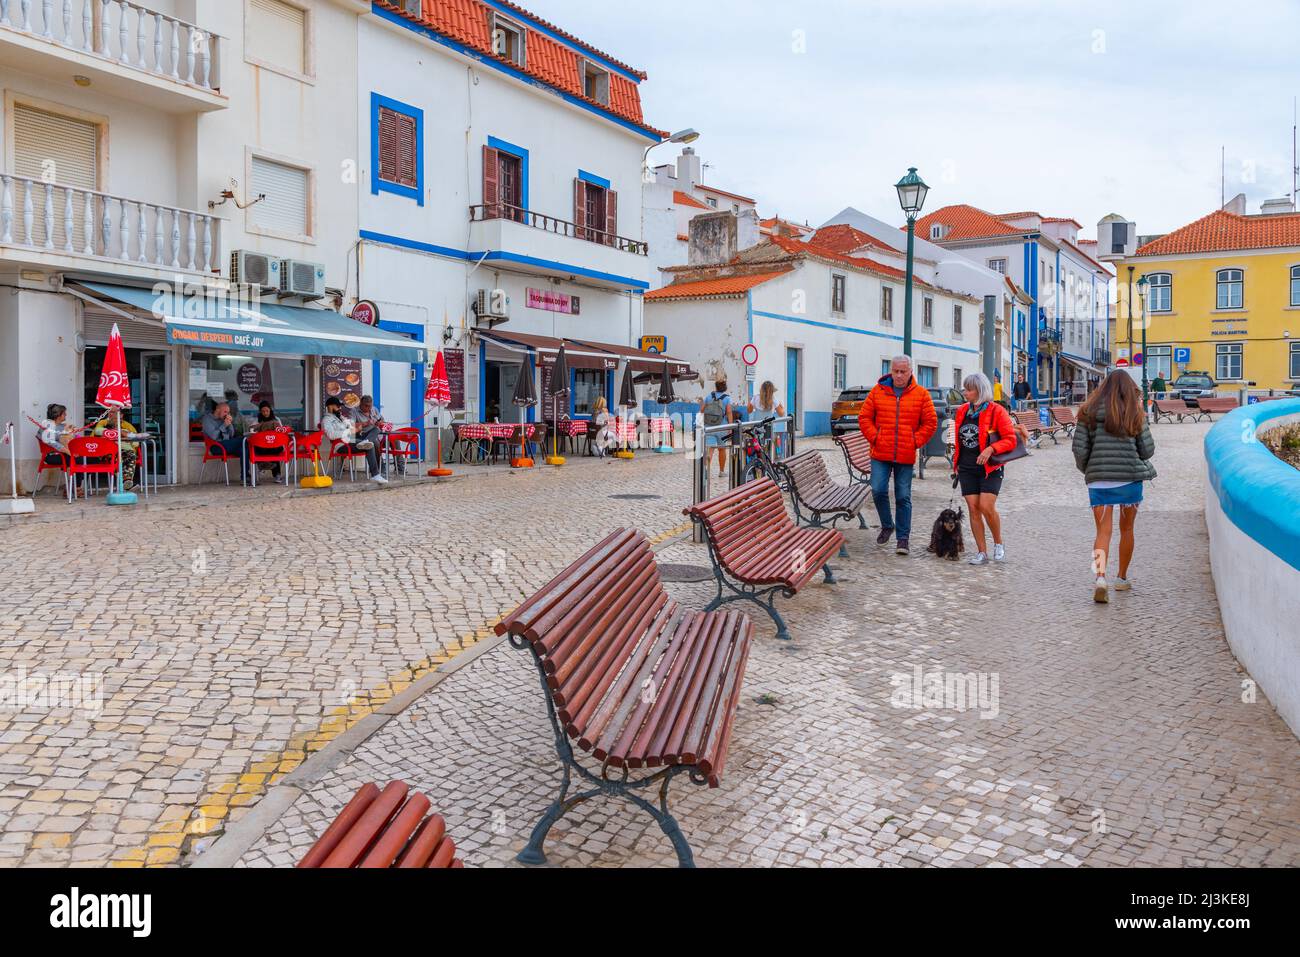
{"x": 898, "y": 419}
{"x": 716, "y": 409}
{"x": 1113, "y": 448}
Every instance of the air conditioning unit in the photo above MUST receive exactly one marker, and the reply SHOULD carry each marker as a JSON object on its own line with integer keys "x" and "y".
{"x": 254, "y": 269}
{"x": 491, "y": 306}
{"x": 301, "y": 278}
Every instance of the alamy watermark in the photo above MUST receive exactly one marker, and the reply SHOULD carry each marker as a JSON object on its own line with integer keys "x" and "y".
{"x": 37, "y": 691}
{"x": 919, "y": 689}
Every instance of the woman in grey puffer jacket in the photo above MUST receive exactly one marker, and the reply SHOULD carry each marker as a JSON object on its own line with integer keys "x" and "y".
{"x": 1113, "y": 449}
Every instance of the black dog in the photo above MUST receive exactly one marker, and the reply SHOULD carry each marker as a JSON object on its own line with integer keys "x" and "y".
{"x": 946, "y": 540}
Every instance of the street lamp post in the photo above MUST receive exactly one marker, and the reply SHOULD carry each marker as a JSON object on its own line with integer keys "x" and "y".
{"x": 683, "y": 137}
{"x": 1142, "y": 298}
{"x": 911, "y": 196}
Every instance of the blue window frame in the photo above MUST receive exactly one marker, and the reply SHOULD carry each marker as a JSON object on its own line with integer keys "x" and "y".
{"x": 510, "y": 148}
{"x": 377, "y": 185}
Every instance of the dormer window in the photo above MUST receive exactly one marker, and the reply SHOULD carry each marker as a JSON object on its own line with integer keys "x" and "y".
{"x": 938, "y": 231}
{"x": 595, "y": 81}
{"x": 509, "y": 39}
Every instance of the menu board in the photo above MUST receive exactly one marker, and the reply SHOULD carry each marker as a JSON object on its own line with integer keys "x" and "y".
{"x": 341, "y": 379}
{"x": 455, "y": 360}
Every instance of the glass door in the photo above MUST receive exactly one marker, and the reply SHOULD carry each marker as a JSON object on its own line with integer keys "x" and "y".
{"x": 156, "y": 419}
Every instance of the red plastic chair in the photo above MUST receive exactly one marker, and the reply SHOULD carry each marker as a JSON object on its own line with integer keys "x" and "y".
{"x": 307, "y": 444}
{"x": 214, "y": 452}
{"x": 269, "y": 448}
{"x": 91, "y": 456}
{"x": 44, "y": 466}
{"x": 340, "y": 452}
{"x": 403, "y": 445}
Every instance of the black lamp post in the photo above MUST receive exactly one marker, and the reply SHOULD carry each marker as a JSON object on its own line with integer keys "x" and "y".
{"x": 911, "y": 196}
{"x": 1142, "y": 298}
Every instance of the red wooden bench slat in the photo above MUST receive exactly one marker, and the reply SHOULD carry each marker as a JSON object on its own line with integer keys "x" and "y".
{"x": 371, "y": 824}
{"x": 404, "y": 824}
{"x": 424, "y": 843}
{"x": 335, "y": 833}
{"x": 383, "y": 829}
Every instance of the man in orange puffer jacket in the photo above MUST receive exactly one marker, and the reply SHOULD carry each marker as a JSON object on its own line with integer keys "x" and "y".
{"x": 897, "y": 418}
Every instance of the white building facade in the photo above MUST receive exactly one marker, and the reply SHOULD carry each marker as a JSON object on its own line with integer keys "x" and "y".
{"x": 143, "y": 145}
{"x": 503, "y": 217}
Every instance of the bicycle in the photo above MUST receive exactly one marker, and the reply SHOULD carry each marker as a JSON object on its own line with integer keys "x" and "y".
{"x": 755, "y": 438}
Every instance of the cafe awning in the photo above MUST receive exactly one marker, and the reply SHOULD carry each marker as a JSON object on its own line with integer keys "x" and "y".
{"x": 219, "y": 321}
{"x": 580, "y": 355}
{"x": 643, "y": 362}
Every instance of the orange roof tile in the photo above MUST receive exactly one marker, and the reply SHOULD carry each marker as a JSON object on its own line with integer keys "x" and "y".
{"x": 1223, "y": 231}
{"x": 723, "y": 192}
{"x": 686, "y": 199}
{"x": 797, "y": 247}
{"x": 548, "y": 60}
{"x": 845, "y": 239}
{"x": 965, "y": 222}
{"x": 724, "y": 287}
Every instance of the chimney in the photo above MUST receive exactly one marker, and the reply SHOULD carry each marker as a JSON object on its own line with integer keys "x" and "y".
{"x": 747, "y": 232}
{"x": 714, "y": 239}
{"x": 1282, "y": 205}
{"x": 1236, "y": 205}
{"x": 689, "y": 171}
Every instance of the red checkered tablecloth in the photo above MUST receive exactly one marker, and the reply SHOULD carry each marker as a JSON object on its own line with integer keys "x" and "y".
{"x": 658, "y": 426}
{"x": 624, "y": 431}
{"x": 482, "y": 431}
{"x": 574, "y": 428}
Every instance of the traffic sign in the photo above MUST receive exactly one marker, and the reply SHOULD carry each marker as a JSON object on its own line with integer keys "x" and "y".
{"x": 1139, "y": 359}
{"x": 1182, "y": 356}
{"x": 749, "y": 355}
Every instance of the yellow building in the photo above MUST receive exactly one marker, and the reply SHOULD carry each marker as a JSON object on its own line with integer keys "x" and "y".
{"x": 1223, "y": 297}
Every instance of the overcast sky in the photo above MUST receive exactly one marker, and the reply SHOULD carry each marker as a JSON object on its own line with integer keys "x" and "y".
{"x": 1069, "y": 108}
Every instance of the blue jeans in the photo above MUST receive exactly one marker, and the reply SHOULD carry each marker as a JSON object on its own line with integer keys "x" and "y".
{"x": 902, "y": 475}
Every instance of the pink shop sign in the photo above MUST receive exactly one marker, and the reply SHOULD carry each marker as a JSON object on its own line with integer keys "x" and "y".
{"x": 553, "y": 301}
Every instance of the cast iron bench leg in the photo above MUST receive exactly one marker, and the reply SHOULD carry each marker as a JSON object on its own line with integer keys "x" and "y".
{"x": 862, "y": 520}
{"x": 828, "y": 575}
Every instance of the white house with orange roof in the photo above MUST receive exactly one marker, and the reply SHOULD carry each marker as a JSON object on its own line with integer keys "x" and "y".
{"x": 1066, "y": 338}
{"x": 500, "y": 178}
{"x": 675, "y": 193}
{"x": 824, "y": 315}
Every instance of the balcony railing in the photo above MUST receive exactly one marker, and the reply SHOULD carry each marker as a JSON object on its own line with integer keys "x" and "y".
{"x": 121, "y": 32}
{"x": 1048, "y": 338}
{"x": 561, "y": 227}
{"x": 1101, "y": 357}
{"x": 50, "y": 218}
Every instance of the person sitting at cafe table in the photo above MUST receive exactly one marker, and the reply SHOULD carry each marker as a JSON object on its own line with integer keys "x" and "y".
{"x": 268, "y": 421}
{"x": 130, "y": 454}
{"x": 56, "y": 432}
{"x": 338, "y": 428}
{"x": 371, "y": 425}
{"x": 219, "y": 428}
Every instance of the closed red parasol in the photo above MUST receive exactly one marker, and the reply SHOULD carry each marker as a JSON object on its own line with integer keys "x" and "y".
{"x": 439, "y": 393}
{"x": 114, "y": 392}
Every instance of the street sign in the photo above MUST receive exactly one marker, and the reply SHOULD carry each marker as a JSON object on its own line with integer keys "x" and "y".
{"x": 366, "y": 312}
{"x": 1139, "y": 359}
{"x": 656, "y": 344}
{"x": 749, "y": 355}
{"x": 1182, "y": 356}
{"x": 1121, "y": 362}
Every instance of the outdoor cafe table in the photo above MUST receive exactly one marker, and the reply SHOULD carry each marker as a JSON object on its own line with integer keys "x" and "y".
{"x": 570, "y": 429}
{"x": 516, "y": 433}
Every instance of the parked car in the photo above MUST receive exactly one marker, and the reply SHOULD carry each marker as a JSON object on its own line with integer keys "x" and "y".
{"x": 844, "y": 410}
{"x": 1191, "y": 386}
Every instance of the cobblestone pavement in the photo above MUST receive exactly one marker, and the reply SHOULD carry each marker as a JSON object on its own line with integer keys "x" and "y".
{"x": 234, "y": 642}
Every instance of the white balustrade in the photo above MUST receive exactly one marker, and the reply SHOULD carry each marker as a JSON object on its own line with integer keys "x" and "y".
{"x": 52, "y": 218}
{"x": 160, "y": 44}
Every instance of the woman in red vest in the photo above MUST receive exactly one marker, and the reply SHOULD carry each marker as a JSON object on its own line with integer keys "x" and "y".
{"x": 980, "y": 479}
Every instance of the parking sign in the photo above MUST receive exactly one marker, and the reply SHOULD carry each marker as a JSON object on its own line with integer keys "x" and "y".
{"x": 1182, "y": 356}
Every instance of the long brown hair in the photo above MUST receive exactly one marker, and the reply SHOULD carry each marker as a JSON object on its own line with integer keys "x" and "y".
{"x": 767, "y": 396}
{"x": 1122, "y": 402}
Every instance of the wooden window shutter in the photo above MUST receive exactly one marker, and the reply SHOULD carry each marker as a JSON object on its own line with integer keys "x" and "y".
{"x": 388, "y": 163}
{"x": 580, "y": 208}
{"x": 491, "y": 183}
{"x": 407, "y": 151}
{"x": 611, "y": 216}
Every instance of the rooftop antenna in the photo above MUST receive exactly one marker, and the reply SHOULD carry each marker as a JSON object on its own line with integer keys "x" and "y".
{"x": 1223, "y": 176}
{"x": 1295, "y": 158}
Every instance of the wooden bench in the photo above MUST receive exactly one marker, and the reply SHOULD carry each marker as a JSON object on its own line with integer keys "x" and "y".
{"x": 758, "y": 552}
{"x": 813, "y": 491}
{"x": 633, "y": 679}
{"x": 380, "y": 829}
{"x": 857, "y": 456}
{"x": 1167, "y": 409}
{"x": 1209, "y": 408}
{"x": 1034, "y": 425}
{"x": 1066, "y": 417}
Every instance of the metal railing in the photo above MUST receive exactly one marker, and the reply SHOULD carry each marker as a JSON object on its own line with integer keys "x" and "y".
{"x": 64, "y": 219}
{"x": 1101, "y": 357}
{"x": 159, "y": 44}
{"x": 731, "y": 437}
{"x": 552, "y": 224}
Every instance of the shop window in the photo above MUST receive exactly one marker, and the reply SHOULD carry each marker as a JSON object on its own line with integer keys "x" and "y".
{"x": 588, "y": 386}
{"x": 1228, "y": 362}
{"x": 244, "y": 381}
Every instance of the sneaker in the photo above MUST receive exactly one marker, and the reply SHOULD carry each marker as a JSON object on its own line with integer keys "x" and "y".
{"x": 885, "y": 535}
{"x": 902, "y": 548}
{"x": 379, "y": 480}
{"x": 981, "y": 559}
{"x": 1123, "y": 584}
{"x": 999, "y": 553}
{"x": 1101, "y": 591}
{"x": 365, "y": 446}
